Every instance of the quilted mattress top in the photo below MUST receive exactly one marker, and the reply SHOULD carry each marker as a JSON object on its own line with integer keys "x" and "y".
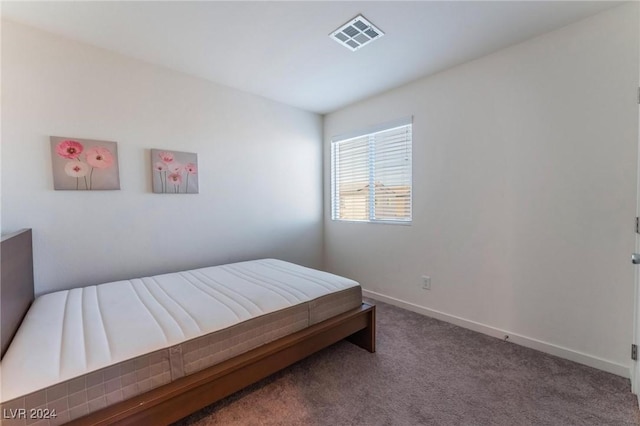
{"x": 73, "y": 332}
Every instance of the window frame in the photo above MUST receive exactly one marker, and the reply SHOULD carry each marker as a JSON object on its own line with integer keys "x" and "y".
{"x": 370, "y": 133}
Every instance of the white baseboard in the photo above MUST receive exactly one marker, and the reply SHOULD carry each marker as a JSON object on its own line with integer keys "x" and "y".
{"x": 559, "y": 351}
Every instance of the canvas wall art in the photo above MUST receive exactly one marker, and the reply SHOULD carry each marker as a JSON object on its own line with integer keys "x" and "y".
{"x": 84, "y": 164}
{"x": 174, "y": 172}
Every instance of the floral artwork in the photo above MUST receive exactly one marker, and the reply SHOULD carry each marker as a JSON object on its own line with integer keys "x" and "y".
{"x": 174, "y": 172}
{"x": 84, "y": 164}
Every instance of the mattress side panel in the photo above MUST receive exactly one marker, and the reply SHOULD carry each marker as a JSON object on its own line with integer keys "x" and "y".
{"x": 214, "y": 348}
{"x": 91, "y": 392}
{"x": 333, "y": 304}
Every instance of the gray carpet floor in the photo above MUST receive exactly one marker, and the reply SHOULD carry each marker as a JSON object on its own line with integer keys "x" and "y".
{"x": 428, "y": 372}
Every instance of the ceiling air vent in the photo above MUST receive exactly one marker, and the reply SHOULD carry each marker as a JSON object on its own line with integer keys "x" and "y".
{"x": 356, "y": 33}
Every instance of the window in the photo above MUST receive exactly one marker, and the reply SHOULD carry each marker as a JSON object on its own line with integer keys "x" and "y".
{"x": 371, "y": 175}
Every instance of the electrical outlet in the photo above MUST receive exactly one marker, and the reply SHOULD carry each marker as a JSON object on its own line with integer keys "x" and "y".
{"x": 426, "y": 282}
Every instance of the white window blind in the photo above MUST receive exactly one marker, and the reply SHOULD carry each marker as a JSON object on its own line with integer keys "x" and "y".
{"x": 371, "y": 175}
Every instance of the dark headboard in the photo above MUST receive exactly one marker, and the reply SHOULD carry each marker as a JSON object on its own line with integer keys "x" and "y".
{"x": 16, "y": 283}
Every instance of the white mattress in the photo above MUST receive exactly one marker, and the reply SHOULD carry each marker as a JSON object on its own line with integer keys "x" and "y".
{"x": 70, "y": 333}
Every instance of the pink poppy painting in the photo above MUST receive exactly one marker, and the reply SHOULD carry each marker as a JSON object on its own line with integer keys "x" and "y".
{"x": 84, "y": 164}
{"x": 174, "y": 172}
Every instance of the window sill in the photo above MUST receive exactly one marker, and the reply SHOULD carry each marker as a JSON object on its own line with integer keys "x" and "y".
{"x": 377, "y": 222}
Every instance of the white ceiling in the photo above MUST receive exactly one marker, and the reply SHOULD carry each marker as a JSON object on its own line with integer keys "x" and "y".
{"x": 281, "y": 50}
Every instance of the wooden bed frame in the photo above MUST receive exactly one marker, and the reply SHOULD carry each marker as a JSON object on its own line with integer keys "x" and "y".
{"x": 16, "y": 283}
{"x": 175, "y": 400}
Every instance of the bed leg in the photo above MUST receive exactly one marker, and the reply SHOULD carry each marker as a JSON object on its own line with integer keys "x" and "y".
{"x": 366, "y": 338}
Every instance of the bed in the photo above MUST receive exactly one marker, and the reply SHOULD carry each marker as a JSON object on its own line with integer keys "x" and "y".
{"x": 155, "y": 349}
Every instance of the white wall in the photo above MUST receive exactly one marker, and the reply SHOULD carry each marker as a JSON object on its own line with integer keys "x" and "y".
{"x": 524, "y": 193}
{"x": 260, "y": 166}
